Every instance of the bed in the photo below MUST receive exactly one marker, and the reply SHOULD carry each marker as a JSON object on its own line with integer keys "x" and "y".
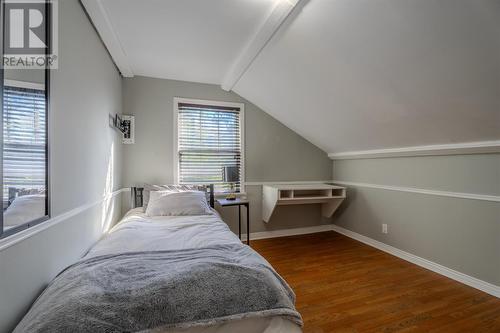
{"x": 24, "y": 205}
{"x": 167, "y": 274}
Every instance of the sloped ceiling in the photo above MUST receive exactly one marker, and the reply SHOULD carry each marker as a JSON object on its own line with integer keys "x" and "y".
{"x": 347, "y": 75}
{"x": 363, "y": 74}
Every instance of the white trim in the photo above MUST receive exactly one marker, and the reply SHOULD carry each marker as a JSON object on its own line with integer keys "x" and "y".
{"x": 481, "y": 147}
{"x": 22, "y": 235}
{"x": 99, "y": 16}
{"x": 288, "y": 232}
{"x": 440, "y": 269}
{"x": 471, "y": 196}
{"x": 175, "y": 149}
{"x": 175, "y": 140}
{"x": 178, "y": 100}
{"x": 288, "y": 183}
{"x": 25, "y": 84}
{"x": 251, "y": 51}
{"x": 243, "y": 147}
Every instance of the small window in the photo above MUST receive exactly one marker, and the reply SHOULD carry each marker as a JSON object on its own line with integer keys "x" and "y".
{"x": 25, "y": 140}
{"x": 24, "y": 135}
{"x": 24, "y": 155}
{"x": 209, "y": 142}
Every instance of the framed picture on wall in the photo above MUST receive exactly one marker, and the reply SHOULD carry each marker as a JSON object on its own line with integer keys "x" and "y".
{"x": 129, "y": 129}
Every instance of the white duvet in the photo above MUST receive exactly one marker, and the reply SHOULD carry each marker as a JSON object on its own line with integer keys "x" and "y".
{"x": 24, "y": 209}
{"x": 138, "y": 232}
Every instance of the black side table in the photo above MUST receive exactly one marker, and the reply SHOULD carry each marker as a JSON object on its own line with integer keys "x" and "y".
{"x": 238, "y": 202}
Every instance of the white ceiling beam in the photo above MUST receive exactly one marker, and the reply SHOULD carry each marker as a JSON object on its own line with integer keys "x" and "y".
{"x": 278, "y": 15}
{"x": 97, "y": 13}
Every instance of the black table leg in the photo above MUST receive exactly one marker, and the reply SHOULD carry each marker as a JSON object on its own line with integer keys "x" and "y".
{"x": 239, "y": 222}
{"x": 248, "y": 224}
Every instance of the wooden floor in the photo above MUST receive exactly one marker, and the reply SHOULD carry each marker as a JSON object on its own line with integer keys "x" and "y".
{"x": 345, "y": 286}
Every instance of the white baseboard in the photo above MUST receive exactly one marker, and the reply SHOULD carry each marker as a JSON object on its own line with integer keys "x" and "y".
{"x": 437, "y": 268}
{"x": 440, "y": 269}
{"x": 287, "y": 232}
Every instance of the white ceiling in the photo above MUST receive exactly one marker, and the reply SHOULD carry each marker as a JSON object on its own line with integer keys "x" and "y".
{"x": 189, "y": 40}
{"x": 347, "y": 75}
{"x": 360, "y": 74}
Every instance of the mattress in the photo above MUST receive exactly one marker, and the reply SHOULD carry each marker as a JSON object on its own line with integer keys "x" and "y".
{"x": 138, "y": 232}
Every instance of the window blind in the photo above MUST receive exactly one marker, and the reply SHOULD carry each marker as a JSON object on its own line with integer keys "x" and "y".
{"x": 209, "y": 138}
{"x": 24, "y": 135}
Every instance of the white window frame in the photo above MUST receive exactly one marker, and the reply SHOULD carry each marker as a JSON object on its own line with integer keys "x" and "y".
{"x": 175, "y": 150}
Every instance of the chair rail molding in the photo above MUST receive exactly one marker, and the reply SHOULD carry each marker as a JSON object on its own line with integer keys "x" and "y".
{"x": 471, "y": 196}
{"x": 27, "y": 233}
{"x": 297, "y": 182}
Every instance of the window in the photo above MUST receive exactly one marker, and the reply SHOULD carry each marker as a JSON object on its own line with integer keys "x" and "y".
{"x": 24, "y": 154}
{"x": 209, "y": 137}
{"x": 24, "y": 136}
{"x": 24, "y": 123}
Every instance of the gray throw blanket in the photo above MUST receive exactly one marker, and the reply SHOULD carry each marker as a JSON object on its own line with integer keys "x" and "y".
{"x": 132, "y": 292}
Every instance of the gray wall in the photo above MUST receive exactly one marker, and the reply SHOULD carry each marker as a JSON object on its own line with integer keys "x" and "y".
{"x": 273, "y": 152}
{"x": 85, "y": 165}
{"x": 461, "y": 234}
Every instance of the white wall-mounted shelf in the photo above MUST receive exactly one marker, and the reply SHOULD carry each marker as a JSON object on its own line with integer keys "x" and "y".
{"x": 329, "y": 196}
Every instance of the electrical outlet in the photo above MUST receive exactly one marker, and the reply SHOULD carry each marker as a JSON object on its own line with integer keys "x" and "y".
{"x": 384, "y": 229}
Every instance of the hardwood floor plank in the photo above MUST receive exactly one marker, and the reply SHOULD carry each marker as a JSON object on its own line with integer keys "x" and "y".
{"x": 348, "y": 287}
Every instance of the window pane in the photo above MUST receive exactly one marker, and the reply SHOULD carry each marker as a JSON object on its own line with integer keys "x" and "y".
{"x": 209, "y": 139}
{"x": 24, "y": 122}
{"x": 24, "y": 154}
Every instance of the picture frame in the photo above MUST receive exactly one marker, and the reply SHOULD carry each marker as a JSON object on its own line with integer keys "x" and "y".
{"x": 128, "y": 124}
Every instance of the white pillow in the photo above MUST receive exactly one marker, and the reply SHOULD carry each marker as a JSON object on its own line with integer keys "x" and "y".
{"x": 148, "y": 188}
{"x": 24, "y": 209}
{"x": 167, "y": 203}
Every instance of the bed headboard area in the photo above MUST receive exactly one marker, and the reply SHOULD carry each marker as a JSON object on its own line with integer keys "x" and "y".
{"x": 137, "y": 199}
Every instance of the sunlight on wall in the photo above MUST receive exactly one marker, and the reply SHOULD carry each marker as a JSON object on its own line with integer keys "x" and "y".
{"x": 108, "y": 205}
